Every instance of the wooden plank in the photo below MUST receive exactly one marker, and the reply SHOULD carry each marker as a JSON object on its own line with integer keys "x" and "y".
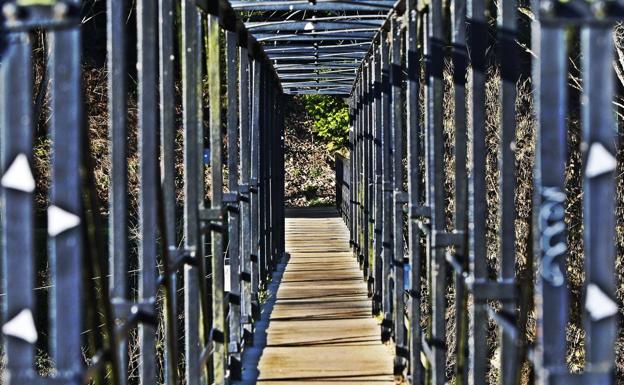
{"x": 318, "y": 329}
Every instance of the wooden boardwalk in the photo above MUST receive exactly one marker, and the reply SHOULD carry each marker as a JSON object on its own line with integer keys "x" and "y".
{"x": 318, "y": 329}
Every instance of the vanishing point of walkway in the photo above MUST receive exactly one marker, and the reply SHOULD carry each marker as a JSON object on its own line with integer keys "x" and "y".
{"x": 318, "y": 329}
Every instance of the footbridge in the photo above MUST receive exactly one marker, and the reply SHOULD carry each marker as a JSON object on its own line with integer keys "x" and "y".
{"x": 482, "y": 180}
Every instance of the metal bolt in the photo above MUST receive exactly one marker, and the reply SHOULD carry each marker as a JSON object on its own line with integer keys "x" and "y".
{"x": 599, "y": 9}
{"x": 547, "y": 6}
{"x": 60, "y": 10}
{"x": 10, "y": 11}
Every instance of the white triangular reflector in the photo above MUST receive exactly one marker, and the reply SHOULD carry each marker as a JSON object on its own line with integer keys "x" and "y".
{"x": 599, "y": 161}
{"x": 60, "y": 220}
{"x": 598, "y": 304}
{"x": 227, "y": 278}
{"x": 21, "y": 326}
{"x": 309, "y": 26}
{"x": 19, "y": 175}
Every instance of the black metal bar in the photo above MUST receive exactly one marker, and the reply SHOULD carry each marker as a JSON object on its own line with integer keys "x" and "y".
{"x": 397, "y": 122}
{"x": 234, "y": 249}
{"x": 245, "y": 170}
{"x": 379, "y": 193}
{"x": 312, "y": 25}
{"x": 477, "y": 211}
{"x": 365, "y": 120}
{"x": 356, "y": 173}
{"x": 507, "y": 35}
{"x": 216, "y": 201}
{"x": 386, "y": 143}
{"x": 414, "y": 129}
{"x": 17, "y": 204}
{"x": 148, "y": 178}
{"x": 370, "y": 178}
{"x": 319, "y": 5}
{"x": 334, "y": 36}
{"x": 253, "y": 182}
{"x": 118, "y": 219}
{"x": 460, "y": 67}
{"x": 550, "y": 74}
{"x": 190, "y": 97}
{"x": 434, "y": 63}
{"x": 64, "y": 222}
{"x": 599, "y": 131}
{"x": 168, "y": 199}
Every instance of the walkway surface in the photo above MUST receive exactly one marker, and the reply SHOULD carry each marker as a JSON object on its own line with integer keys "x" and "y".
{"x": 318, "y": 329}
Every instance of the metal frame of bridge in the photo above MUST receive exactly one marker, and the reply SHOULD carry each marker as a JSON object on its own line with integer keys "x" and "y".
{"x": 381, "y": 54}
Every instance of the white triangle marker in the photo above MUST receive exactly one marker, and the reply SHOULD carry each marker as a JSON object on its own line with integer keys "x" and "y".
{"x": 22, "y": 326}
{"x": 599, "y": 161}
{"x": 309, "y": 26}
{"x": 19, "y": 175}
{"x": 598, "y": 304}
{"x": 227, "y": 275}
{"x": 60, "y": 220}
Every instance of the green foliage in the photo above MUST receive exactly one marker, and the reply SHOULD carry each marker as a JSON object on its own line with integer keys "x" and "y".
{"x": 331, "y": 120}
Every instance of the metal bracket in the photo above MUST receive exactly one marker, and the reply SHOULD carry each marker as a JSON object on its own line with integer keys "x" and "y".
{"x": 209, "y": 215}
{"x": 233, "y": 299}
{"x": 417, "y": 212}
{"x": 565, "y": 12}
{"x": 253, "y": 185}
{"x": 456, "y": 263}
{"x": 401, "y": 197}
{"x": 446, "y": 239}
{"x": 581, "y": 378}
{"x": 424, "y": 226}
{"x": 231, "y": 197}
{"x": 485, "y": 290}
{"x": 145, "y": 311}
{"x": 26, "y": 15}
{"x": 243, "y": 188}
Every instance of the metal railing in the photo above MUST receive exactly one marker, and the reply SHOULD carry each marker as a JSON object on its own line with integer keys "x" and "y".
{"x": 413, "y": 247}
{"x": 397, "y": 141}
{"x": 210, "y": 276}
{"x": 343, "y": 177}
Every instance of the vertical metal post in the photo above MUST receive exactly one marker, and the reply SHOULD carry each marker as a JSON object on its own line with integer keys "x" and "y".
{"x": 356, "y": 170}
{"x": 64, "y": 214}
{"x": 148, "y": 180}
{"x": 245, "y": 210}
{"x": 400, "y": 334}
{"x": 460, "y": 66}
{"x": 550, "y": 75}
{"x": 599, "y": 136}
{"x": 16, "y": 125}
{"x": 118, "y": 191}
{"x": 352, "y": 185}
{"x": 168, "y": 196}
{"x": 365, "y": 119}
{"x": 254, "y": 200}
{"x": 379, "y": 193}
{"x": 386, "y": 143}
{"x": 370, "y": 175}
{"x": 434, "y": 53}
{"x": 414, "y": 155}
{"x": 507, "y": 28}
{"x": 190, "y": 107}
{"x": 477, "y": 210}
{"x": 216, "y": 200}
{"x": 262, "y": 125}
{"x": 234, "y": 212}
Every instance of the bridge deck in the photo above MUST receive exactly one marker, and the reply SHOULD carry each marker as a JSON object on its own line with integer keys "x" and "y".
{"x": 318, "y": 328}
